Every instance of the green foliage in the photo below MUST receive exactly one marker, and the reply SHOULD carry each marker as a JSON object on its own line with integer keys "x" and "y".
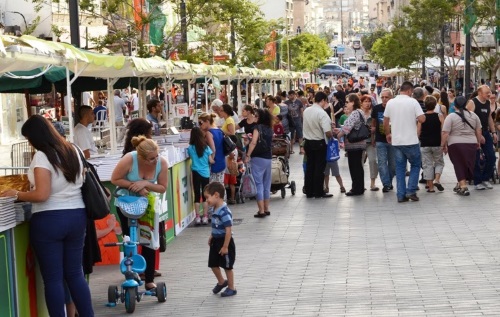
{"x": 308, "y": 51}
{"x": 400, "y": 48}
{"x": 368, "y": 40}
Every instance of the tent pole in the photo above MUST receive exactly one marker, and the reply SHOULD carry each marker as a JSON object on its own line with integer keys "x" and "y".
{"x": 238, "y": 95}
{"x": 112, "y": 115}
{"x": 68, "y": 107}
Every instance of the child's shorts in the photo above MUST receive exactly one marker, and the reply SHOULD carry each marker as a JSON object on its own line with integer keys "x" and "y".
{"x": 333, "y": 167}
{"x": 230, "y": 179}
{"x": 224, "y": 261}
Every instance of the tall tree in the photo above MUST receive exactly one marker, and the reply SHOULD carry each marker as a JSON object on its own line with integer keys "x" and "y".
{"x": 308, "y": 51}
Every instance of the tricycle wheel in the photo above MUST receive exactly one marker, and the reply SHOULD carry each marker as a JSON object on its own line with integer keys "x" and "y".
{"x": 293, "y": 187}
{"x": 130, "y": 298}
{"x": 161, "y": 292}
{"x": 283, "y": 192}
{"x": 113, "y": 294}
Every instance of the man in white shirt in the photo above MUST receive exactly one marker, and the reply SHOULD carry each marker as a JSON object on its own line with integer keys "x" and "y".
{"x": 400, "y": 125}
{"x": 83, "y": 137}
{"x": 120, "y": 107}
{"x": 317, "y": 125}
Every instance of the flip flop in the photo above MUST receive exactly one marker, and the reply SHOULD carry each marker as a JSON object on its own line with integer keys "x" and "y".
{"x": 374, "y": 189}
{"x": 431, "y": 191}
{"x": 260, "y": 215}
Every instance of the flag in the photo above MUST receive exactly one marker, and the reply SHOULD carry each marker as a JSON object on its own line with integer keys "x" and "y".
{"x": 470, "y": 17}
{"x": 270, "y": 48}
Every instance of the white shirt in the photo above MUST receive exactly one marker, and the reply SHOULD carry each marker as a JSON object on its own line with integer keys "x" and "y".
{"x": 83, "y": 138}
{"x": 135, "y": 102}
{"x": 403, "y": 112}
{"x": 316, "y": 123}
{"x": 63, "y": 195}
{"x": 86, "y": 98}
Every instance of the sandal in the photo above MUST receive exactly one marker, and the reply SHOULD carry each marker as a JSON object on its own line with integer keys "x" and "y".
{"x": 464, "y": 191}
{"x": 260, "y": 215}
{"x": 374, "y": 189}
{"x": 457, "y": 188}
{"x": 150, "y": 286}
{"x": 268, "y": 213}
{"x": 431, "y": 191}
{"x": 326, "y": 190}
{"x": 439, "y": 186}
{"x": 342, "y": 189}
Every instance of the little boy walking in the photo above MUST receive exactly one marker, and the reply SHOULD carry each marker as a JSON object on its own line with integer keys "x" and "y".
{"x": 222, "y": 249}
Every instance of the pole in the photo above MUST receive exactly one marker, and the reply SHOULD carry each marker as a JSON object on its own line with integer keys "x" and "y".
{"x": 236, "y": 84}
{"x": 129, "y": 42}
{"x": 441, "y": 52}
{"x": 466, "y": 86}
{"x": 184, "y": 49}
{"x": 341, "y": 24}
{"x": 74, "y": 23}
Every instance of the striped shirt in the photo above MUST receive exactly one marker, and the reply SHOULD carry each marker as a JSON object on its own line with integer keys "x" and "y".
{"x": 221, "y": 218}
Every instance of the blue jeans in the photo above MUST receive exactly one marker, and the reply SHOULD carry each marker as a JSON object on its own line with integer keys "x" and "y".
{"x": 386, "y": 162}
{"x": 489, "y": 154}
{"x": 404, "y": 154}
{"x": 57, "y": 238}
{"x": 261, "y": 172}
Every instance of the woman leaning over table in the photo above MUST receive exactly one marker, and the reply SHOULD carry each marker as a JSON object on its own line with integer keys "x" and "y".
{"x": 57, "y": 227}
{"x": 143, "y": 171}
{"x": 261, "y": 160}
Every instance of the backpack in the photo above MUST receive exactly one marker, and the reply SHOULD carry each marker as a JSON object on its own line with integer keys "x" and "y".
{"x": 278, "y": 173}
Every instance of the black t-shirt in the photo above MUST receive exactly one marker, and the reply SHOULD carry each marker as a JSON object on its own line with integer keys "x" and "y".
{"x": 378, "y": 116}
{"x": 483, "y": 112}
{"x": 248, "y": 127}
{"x": 266, "y": 133}
{"x": 339, "y": 105}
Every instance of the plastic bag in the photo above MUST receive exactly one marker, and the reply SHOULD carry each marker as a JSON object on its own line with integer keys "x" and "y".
{"x": 332, "y": 150}
{"x": 149, "y": 224}
{"x": 248, "y": 189}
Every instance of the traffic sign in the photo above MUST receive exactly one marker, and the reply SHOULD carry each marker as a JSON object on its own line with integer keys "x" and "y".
{"x": 340, "y": 49}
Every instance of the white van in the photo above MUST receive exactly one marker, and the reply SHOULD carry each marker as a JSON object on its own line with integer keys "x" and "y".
{"x": 352, "y": 60}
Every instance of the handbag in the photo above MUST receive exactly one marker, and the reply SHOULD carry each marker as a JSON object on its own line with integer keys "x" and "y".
{"x": 229, "y": 145}
{"x": 361, "y": 133}
{"x": 261, "y": 145}
{"x": 332, "y": 150}
{"x": 93, "y": 192}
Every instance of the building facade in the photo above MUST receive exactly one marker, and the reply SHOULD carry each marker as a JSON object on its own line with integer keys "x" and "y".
{"x": 276, "y": 9}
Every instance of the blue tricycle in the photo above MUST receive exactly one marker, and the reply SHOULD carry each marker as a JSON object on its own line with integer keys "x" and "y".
{"x": 133, "y": 264}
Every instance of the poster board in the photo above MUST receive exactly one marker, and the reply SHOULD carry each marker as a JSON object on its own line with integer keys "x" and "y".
{"x": 181, "y": 110}
{"x": 182, "y": 195}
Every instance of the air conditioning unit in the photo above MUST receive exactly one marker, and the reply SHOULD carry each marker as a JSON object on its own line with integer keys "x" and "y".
{"x": 12, "y": 30}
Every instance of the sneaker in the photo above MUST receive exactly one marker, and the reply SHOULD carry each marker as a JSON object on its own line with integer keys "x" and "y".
{"x": 218, "y": 288}
{"x": 480, "y": 187}
{"x": 231, "y": 201}
{"x": 228, "y": 292}
{"x": 464, "y": 192}
{"x": 413, "y": 197}
{"x": 197, "y": 221}
{"x": 386, "y": 189}
{"x": 487, "y": 185}
{"x": 403, "y": 200}
{"x": 204, "y": 220}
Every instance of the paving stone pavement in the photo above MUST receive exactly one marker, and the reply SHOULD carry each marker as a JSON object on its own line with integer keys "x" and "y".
{"x": 343, "y": 256}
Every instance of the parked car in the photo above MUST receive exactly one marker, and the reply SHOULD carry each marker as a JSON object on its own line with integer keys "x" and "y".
{"x": 352, "y": 60}
{"x": 332, "y": 69}
{"x": 363, "y": 68}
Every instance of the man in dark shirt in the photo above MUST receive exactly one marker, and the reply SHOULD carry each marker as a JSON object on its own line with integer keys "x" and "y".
{"x": 386, "y": 160}
{"x": 480, "y": 105}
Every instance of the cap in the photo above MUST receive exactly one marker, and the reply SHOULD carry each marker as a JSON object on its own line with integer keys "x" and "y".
{"x": 460, "y": 102}
{"x": 217, "y": 102}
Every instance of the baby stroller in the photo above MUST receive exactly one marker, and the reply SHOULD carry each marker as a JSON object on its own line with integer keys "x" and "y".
{"x": 280, "y": 168}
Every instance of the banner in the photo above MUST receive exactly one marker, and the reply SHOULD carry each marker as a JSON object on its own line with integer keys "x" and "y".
{"x": 270, "y": 48}
{"x": 183, "y": 195}
{"x": 158, "y": 22}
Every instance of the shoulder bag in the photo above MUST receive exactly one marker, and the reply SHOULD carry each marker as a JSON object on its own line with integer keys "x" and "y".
{"x": 93, "y": 192}
{"x": 361, "y": 133}
{"x": 229, "y": 145}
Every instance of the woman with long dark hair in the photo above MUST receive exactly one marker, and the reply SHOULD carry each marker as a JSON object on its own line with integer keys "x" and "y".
{"x": 261, "y": 158}
{"x": 59, "y": 221}
{"x": 215, "y": 139}
{"x": 201, "y": 157}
